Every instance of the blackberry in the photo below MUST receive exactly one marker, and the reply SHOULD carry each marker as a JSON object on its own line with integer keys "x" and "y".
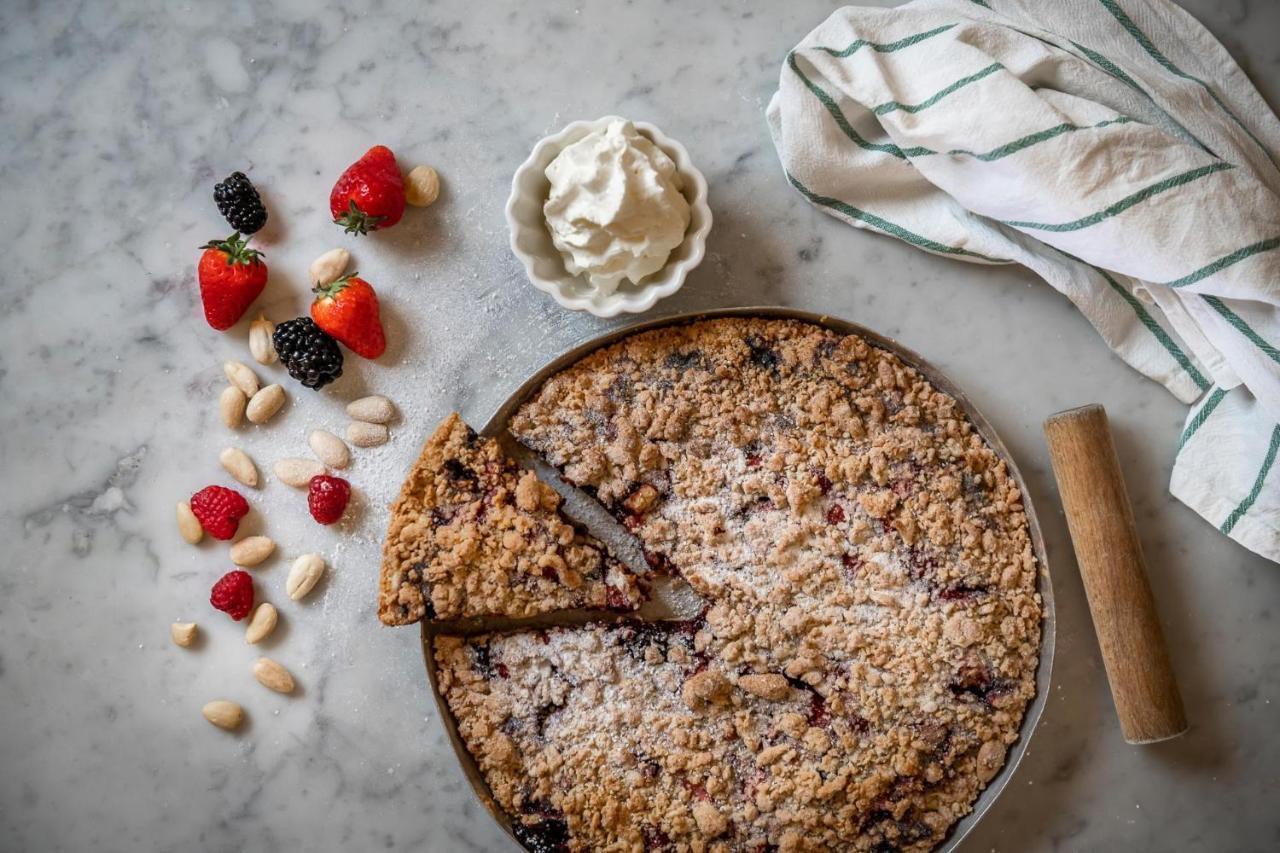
{"x": 238, "y": 201}
{"x": 311, "y": 356}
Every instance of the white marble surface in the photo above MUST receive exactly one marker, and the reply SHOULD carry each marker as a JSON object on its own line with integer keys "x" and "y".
{"x": 117, "y": 119}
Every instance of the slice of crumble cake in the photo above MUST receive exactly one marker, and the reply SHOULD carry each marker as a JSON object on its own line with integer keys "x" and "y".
{"x": 473, "y": 534}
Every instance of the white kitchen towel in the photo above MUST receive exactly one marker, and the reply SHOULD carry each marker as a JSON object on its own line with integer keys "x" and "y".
{"x": 1114, "y": 148}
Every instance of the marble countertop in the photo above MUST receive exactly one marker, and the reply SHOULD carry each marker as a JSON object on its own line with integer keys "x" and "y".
{"x": 118, "y": 119}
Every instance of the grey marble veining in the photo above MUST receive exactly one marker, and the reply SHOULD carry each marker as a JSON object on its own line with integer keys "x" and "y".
{"x": 117, "y": 118}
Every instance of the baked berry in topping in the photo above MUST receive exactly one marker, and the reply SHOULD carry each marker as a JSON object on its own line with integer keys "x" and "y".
{"x": 238, "y": 201}
{"x": 307, "y": 352}
{"x": 457, "y": 471}
{"x": 763, "y": 355}
{"x": 548, "y": 835}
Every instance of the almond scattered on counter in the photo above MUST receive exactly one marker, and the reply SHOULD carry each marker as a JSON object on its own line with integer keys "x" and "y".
{"x": 329, "y": 449}
{"x": 231, "y": 406}
{"x": 263, "y": 405}
{"x": 238, "y": 464}
{"x": 188, "y": 524}
{"x": 330, "y": 266}
{"x": 241, "y": 376}
{"x": 183, "y": 633}
{"x": 272, "y": 675}
{"x": 304, "y": 575}
{"x": 224, "y": 714}
{"x": 252, "y": 550}
{"x": 261, "y": 347}
{"x": 374, "y": 409}
{"x": 422, "y": 186}
{"x": 297, "y": 471}
{"x": 261, "y": 623}
{"x": 363, "y": 434}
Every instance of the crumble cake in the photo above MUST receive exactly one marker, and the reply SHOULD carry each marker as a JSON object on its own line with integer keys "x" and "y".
{"x": 636, "y": 737}
{"x": 852, "y": 534}
{"x": 473, "y": 534}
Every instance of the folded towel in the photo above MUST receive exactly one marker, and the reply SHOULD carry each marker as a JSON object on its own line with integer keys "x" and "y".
{"x": 1113, "y": 147}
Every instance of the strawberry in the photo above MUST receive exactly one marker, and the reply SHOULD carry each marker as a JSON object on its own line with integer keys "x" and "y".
{"x": 370, "y": 194}
{"x": 231, "y": 276}
{"x": 348, "y": 310}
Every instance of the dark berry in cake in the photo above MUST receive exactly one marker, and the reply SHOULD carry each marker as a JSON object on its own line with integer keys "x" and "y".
{"x": 240, "y": 204}
{"x": 309, "y": 354}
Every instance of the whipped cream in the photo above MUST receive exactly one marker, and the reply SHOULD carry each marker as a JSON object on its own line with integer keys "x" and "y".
{"x": 615, "y": 210}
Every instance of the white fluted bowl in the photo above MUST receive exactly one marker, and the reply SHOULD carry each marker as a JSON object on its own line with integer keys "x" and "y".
{"x": 543, "y": 263}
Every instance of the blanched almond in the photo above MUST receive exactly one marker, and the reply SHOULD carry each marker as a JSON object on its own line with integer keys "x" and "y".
{"x": 421, "y": 186}
{"x": 261, "y": 623}
{"x": 241, "y": 376}
{"x": 297, "y": 471}
{"x": 224, "y": 714}
{"x": 183, "y": 633}
{"x": 363, "y": 434}
{"x": 273, "y": 676}
{"x": 304, "y": 575}
{"x": 231, "y": 406}
{"x": 265, "y": 404}
{"x": 374, "y": 409}
{"x": 330, "y": 266}
{"x": 329, "y": 449}
{"x": 188, "y": 524}
{"x": 261, "y": 345}
{"x": 252, "y": 550}
{"x": 239, "y": 465}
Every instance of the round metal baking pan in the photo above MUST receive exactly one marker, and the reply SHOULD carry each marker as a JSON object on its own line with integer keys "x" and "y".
{"x": 497, "y": 424}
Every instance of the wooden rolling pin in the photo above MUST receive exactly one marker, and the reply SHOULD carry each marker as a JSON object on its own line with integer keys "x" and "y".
{"x": 1115, "y": 576}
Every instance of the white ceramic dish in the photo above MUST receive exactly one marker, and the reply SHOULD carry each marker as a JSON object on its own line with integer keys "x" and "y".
{"x": 544, "y": 265}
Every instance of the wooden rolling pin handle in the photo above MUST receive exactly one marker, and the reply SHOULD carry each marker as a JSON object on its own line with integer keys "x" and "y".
{"x": 1115, "y": 576}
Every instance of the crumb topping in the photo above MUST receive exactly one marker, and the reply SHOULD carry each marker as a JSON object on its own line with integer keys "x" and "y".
{"x": 872, "y": 627}
{"x": 472, "y": 534}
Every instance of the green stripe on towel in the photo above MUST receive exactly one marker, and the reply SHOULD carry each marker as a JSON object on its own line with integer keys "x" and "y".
{"x": 1146, "y": 44}
{"x": 1238, "y": 512}
{"x": 1197, "y": 421}
{"x": 893, "y": 106}
{"x": 1115, "y": 71}
{"x": 843, "y": 123}
{"x": 886, "y": 47}
{"x": 1157, "y": 331}
{"x": 1033, "y": 139}
{"x": 884, "y": 224}
{"x": 1127, "y": 202}
{"x": 1242, "y": 327}
{"x": 1225, "y": 261}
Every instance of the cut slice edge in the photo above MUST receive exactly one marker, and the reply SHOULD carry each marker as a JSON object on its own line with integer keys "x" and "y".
{"x": 472, "y": 534}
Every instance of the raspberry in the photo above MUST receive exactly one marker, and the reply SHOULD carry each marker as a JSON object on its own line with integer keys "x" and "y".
{"x": 327, "y": 498}
{"x": 233, "y": 594}
{"x": 219, "y": 510}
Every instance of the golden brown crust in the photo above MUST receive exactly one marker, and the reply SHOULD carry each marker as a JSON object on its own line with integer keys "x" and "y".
{"x": 472, "y": 534}
{"x": 859, "y": 545}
